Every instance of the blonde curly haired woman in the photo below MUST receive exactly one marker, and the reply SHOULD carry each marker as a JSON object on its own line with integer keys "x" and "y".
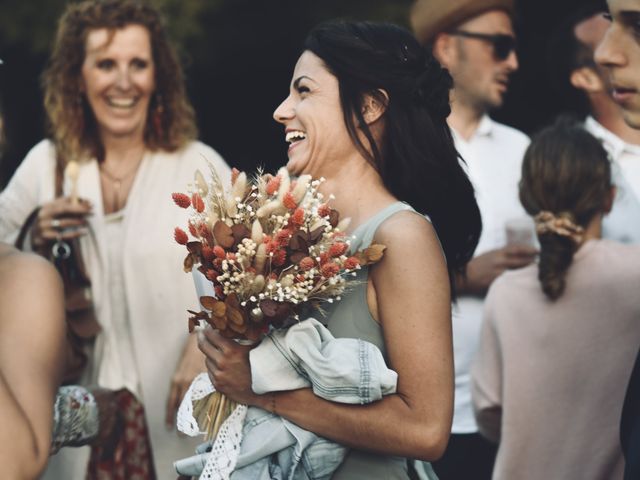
{"x": 117, "y": 108}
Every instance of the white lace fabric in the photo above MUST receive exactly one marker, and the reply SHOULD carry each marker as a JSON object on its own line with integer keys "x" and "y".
{"x": 220, "y": 462}
{"x": 226, "y": 447}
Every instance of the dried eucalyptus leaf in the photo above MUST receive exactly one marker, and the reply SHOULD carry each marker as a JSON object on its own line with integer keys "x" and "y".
{"x": 295, "y": 257}
{"x": 195, "y": 248}
{"x": 223, "y": 234}
{"x": 240, "y": 232}
{"x": 374, "y": 253}
{"x": 188, "y": 263}
{"x": 232, "y": 301}
{"x": 234, "y": 316}
{"x": 219, "y": 309}
{"x": 208, "y": 302}
{"x": 334, "y": 218}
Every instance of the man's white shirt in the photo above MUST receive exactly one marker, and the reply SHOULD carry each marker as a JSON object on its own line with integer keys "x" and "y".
{"x": 493, "y": 162}
{"x": 623, "y": 223}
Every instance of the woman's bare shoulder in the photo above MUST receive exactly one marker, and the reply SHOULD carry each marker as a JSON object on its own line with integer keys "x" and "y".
{"x": 407, "y": 228}
{"x": 28, "y": 280}
{"x": 16, "y": 264}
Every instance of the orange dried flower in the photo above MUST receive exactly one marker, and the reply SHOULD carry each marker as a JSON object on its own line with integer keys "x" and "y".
{"x": 272, "y": 247}
{"x": 298, "y": 217}
{"x": 207, "y": 253}
{"x": 181, "y": 200}
{"x": 231, "y": 256}
{"x": 288, "y": 201}
{"x": 329, "y": 269}
{"x": 351, "y": 263}
{"x": 234, "y": 175}
{"x": 324, "y": 210}
{"x": 324, "y": 258}
{"x": 273, "y": 185}
{"x": 306, "y": 263}
{"x": 219, "y": 252}
{"x": 338, "y": 249}
{"x": 266, "y": 238}
{"x": 197, "y": 202}
{"x": 180, "y": 236}
{"x": 192, "y": 230}
{"x": 282, "y": 237}
{"x": 203, "y": 230}
{"x": 279, "y": 258}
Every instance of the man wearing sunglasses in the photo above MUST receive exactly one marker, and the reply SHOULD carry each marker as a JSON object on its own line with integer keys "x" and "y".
{"x": 474, "y": 40}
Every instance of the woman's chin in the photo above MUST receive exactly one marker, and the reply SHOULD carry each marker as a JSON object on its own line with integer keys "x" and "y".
{"x": 296, "y": 166}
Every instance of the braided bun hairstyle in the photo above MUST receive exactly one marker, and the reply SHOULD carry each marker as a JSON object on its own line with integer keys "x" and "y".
{"x": 566, "y": 172}
{"x": 416, "y": 156}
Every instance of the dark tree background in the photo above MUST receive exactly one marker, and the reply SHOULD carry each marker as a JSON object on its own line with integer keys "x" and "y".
{"x": 239, "y": 55}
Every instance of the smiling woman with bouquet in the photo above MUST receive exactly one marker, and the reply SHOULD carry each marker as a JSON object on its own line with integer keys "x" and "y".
{"x": 367, "y": 111}
{"x": 123, "y": 133}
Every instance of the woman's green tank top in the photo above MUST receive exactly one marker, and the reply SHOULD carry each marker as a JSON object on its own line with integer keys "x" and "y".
{"x": 350, "y": 318}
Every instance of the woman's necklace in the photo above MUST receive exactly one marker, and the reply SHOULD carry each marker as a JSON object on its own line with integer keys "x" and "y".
{"x": 117, "y": 181}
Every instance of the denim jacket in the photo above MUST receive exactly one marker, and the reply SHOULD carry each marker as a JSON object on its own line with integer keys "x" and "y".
{"x": 344, "y": 370}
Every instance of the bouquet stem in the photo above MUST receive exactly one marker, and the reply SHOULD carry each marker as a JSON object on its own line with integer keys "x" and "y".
{"x": 211, "y": 411}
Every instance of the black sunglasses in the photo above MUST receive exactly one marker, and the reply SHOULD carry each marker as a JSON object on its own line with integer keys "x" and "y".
{"x": 502, "y": 44}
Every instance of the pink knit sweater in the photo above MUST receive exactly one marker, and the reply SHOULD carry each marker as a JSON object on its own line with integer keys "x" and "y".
{"x": 550, "y": 377}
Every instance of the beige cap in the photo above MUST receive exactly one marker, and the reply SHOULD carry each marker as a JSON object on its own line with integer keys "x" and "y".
{"x": 429, "y": 17}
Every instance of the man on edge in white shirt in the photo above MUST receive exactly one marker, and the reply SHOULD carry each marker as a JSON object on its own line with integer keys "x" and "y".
{"x": 572, "y": 62}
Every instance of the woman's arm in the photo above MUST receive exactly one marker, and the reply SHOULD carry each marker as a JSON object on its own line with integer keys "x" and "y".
{"x": 413, "y": 303}
{"x": 32, "y": 333}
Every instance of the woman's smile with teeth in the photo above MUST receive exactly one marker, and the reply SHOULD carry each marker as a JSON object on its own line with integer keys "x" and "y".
{"x": 295, "y": 136}
{"x": 121, "y": 102}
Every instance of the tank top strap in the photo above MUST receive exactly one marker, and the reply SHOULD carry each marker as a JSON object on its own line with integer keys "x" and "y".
{"x": 363, "y": 235}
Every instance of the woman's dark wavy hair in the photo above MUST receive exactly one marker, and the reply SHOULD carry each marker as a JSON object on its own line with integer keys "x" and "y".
{"x": 416, "y": 157}
{"x": 70, "y": 119}
{"x": 565, "y": 171}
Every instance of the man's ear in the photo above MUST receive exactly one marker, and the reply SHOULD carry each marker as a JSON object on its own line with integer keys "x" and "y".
{"x": 374, "y": 105}
{"x": 443, "y": 49}
{"x": 587, "y": 80}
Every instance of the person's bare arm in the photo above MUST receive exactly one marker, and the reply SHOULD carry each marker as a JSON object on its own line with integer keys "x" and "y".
{"x": 32, "y": 330}
{"x": 413, "y": 298}
{"x": 482, "y": 270}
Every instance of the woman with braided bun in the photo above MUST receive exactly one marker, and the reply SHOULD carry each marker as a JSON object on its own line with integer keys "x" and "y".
{"x": 560, "y": 336}
{"x": 367, "y": 110}
{"x": 123, "y": 132}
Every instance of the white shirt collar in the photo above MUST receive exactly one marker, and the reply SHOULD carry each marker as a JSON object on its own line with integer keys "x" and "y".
{"x": 484, "y": 129}
{"x": 614, "y": 144}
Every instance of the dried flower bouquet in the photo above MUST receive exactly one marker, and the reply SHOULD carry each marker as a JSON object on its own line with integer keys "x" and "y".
{"x": 270, "y": 245}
